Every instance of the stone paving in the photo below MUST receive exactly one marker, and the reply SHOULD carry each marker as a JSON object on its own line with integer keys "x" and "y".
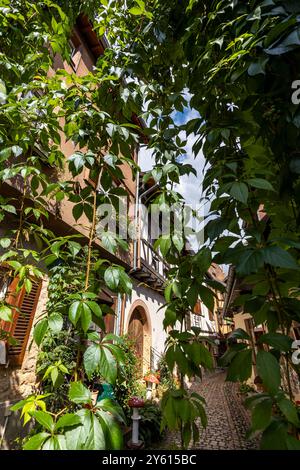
{"x": 228, "y": 420}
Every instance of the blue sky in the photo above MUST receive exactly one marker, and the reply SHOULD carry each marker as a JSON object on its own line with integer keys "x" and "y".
{"x": 190, "y": 187}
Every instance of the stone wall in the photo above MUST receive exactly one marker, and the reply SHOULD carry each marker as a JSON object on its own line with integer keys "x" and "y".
{"x": 17, "y": 383}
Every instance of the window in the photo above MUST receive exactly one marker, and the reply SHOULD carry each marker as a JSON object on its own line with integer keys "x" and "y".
{"x": 197, "y": 321}
{"x": 211, "y": 315}
{"x": 23, "y": 316}
{"x": 75, "y": 52}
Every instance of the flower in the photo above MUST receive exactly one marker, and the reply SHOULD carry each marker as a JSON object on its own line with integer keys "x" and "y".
{"x": 151, "y": 378}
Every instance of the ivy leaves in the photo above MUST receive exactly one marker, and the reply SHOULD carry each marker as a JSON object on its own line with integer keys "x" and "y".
{"x": 117, "y": 280}
{"x": 93, "y": 427}
{"x": 99, "y": 428}
{"x": 83, "y": 308}
{"x": 182, "y": 410}
{"x": 269, "y": 371}
{"x": 104, "y": 357}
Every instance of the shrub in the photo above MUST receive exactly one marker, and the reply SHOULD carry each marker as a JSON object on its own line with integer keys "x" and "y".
{"x": 150, "y": 423}
{"x": 129, "y": 382}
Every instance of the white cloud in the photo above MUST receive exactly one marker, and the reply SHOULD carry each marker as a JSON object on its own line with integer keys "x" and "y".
{"x": 190, "y": 186}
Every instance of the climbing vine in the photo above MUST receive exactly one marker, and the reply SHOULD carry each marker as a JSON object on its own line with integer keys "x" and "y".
{"x": 235, "y": 63}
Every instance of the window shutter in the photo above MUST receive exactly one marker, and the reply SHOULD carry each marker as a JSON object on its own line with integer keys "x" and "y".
{"x": 13, "y": 299}
{"x": 197, "y": 308}
{"x": 109, "y": 322}
{"x": 22, "y": 323}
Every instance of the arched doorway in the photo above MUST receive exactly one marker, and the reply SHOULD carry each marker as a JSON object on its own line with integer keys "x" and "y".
{"x": 139, "y": 331}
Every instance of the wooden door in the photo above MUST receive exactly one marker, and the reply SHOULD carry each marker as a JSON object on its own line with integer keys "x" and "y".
{"x": 136, "y": 333}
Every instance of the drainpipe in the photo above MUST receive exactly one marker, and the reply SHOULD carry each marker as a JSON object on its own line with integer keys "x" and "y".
{"x": 117, "y": 324}
{"x": 136, "y": 212}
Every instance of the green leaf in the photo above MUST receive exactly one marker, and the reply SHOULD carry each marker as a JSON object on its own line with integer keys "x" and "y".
{"x": 6, "y": 313}
{"x": 168, "y": 292}
{"x": 9, "y": 208}
{"x": 269, "y": 371}
{"x": 289, "y": 411}
{"x": 45, "y": 419}
{"x": 77, "y": 436}
{"x": 231, "y": 352}
{"x": 260, "y": 184}
{"x": 16, "y": 150}
{"x": 276, "y": 256}
{"x": 274, "y": 437}
{"x": 67, "y": 420}
{"x": 164, "y": 245}
{"x": 40, "y": 330}
{"x": 112, "y": 277}
{"x": 55, "y": 321}
{"x": 75, "y": 312}
{"x": 239, "y": 191}
{"x": 5, "y": 242}
{"x": 113, "y": 408}
{"x": 240, "y": 368}
{"x": 136, "y": 11}
{"x": 170, "y": 318}
{"x": 200, "y": 355}
{"x": 78, "y": 393}
{"x": 109, "y": 241}
{"x": 239, "y": 333}
{"x": 74, "y": 248}
{"x": 108, "y": 366}
{"x": 54, "y": 373}
{"x": 36, "y": 442}
{"x": 277, "y": 341}
{"x": 292, "y": 443}
{"x": 261, "y": 414}
{"x": 125, "y": 282}
{"x": 112, "y": 431}
{"x": 95, "y": 308}
{"x": 86, "y": 317}
{"x": 77, "y": 211}
{"x": 207, "y": 297}
{"x": 192, "y": 294}
{"x": 91, "y": 359}
{"x": 249, "y": 261}
{"x": 203, "y": 259}
{"x": 95, "y": 438}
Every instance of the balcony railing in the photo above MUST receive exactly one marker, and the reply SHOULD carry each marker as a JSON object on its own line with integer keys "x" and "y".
{"x": 152, "y": 269}
{"x": 152, "y": 259}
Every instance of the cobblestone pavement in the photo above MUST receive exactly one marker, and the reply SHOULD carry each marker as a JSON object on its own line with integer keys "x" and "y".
{"x": 228, "y": 420}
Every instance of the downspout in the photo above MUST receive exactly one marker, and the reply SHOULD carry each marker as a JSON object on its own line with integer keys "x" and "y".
{"x": 122, "y": 314}
{"x": 136, "y": 214}
{"x": 118, "y": 314}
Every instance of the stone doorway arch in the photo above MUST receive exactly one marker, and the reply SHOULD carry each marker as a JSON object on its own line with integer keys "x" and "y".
{"x": 139, "y": 330}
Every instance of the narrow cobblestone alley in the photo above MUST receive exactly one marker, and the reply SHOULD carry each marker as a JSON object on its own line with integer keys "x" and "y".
{"x": 228, "y": 420}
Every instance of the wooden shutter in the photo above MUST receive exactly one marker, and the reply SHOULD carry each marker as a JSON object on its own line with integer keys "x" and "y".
{"x": 23, "y": 317}
{"x": 13, "y": 299}
{"x": 109, "y": 322}
{"x": 197, "y": 308}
